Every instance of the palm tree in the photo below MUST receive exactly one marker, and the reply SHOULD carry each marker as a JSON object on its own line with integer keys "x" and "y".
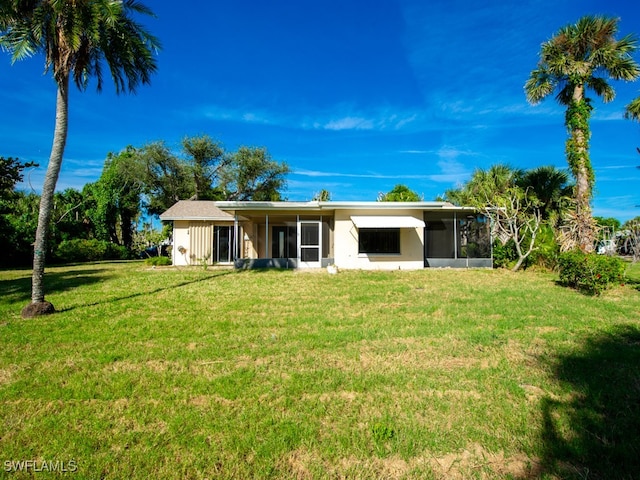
{"x": 76, "y": 37}
{"x": 632, "y": 112}
{"x": 581, "y": 57}
{"x": 550, "y": 186}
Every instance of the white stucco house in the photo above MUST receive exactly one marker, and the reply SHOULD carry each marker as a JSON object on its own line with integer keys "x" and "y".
{"x": 349, "y": 235}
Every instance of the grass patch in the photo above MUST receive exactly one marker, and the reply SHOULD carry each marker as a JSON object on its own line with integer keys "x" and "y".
{"x": 193, "y": 373}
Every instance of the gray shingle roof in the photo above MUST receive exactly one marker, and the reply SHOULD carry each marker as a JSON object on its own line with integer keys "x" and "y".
{"x": 195, "y": 210}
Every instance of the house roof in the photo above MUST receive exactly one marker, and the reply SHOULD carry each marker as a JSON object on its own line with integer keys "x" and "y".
{"x": 219, "y": 210}
{"x": 196, "y": 210}
{"x": 315, "y": 205}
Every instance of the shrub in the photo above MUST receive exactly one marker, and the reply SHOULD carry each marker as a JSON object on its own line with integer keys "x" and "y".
{"x": 547, "y": 249}
{"x": 588, "y": 272}
{"x": 158, "y": 261}
{"x": 504, "y": 256}
{"x": 91, "y": 250}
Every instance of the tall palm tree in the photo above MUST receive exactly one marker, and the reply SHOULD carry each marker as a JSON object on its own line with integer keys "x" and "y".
{"x": 581, "y": 57}
{"x": 76, "y": 38}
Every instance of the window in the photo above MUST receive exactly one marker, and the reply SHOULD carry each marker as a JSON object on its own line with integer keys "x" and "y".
{"x": 379, "y": 240}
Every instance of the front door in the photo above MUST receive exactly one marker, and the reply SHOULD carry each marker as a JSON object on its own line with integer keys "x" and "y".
{"x": 309, "y": 243}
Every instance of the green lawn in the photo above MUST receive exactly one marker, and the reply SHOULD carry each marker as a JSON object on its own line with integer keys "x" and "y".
{"x": 193, "y": 373}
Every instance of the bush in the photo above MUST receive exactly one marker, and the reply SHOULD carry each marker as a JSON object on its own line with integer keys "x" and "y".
{"x": 588, "y": 272}
{"x": 83, "y": 250}
{"x": 158, "y": 261}
{"x": 504, "y": 256}
{"x": 547, "y": 249}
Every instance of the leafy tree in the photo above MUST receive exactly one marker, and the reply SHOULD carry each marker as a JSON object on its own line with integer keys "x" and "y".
{"x": 69, "y": 217}
{"x": 164, "y": 177}
{"x": 204, "y": 171}
{"x": 11, "y": 174}
{"x": 581, "y": 57}
{"x": 76, "y": 37}
{"x": 115, "y": 200}
{"x": 399, "y": 193}
{"x": 205, "y": 159}
{"x": 251, "y": 174}
{"x": 15, "y": 238}
{"x": 19, "y": 224}
{"x": 608, "y": 222}
{"x": 322, "y": 196}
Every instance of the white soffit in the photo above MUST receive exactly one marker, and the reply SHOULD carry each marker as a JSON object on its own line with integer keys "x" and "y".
{"x": 381, "y": 221}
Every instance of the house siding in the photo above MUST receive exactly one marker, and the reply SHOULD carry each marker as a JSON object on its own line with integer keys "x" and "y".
{"x": 411, "y": 255}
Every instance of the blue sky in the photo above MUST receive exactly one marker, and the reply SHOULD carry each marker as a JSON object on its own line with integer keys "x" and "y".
{"x": 354, "y": 96}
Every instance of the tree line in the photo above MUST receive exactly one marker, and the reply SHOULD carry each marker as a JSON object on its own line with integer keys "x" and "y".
{"x": 135, "y": 184}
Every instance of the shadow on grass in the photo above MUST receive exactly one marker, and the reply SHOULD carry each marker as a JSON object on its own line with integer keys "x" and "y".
{"x": 55, "y": 282}
{"x": 19, "y": 289}
{"x": 595, "y": 434}
{"x": 148, "y": 292}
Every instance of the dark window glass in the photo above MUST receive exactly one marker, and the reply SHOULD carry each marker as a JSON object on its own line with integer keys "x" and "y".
{"x": 379, "y": 240}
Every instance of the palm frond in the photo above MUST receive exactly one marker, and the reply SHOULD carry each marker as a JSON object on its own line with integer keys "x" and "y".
{"x": 632, "y": 111}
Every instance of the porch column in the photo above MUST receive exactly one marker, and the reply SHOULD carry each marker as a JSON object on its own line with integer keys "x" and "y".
{"x": 455, "y": 235}
{"x": 235, "y": 237}
{"x": 266, "y": 236}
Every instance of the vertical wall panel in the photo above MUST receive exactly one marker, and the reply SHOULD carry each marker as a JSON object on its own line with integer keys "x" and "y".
{"x": 201, "y": 242}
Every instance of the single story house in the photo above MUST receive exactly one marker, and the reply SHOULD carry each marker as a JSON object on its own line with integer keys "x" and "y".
{"x": 349, "y": 235}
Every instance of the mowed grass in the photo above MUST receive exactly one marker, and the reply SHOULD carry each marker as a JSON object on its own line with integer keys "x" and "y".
{"x": 191, "y": 373}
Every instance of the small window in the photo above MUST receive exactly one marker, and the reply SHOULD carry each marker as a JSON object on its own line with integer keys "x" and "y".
{"x": 379, "y": 240}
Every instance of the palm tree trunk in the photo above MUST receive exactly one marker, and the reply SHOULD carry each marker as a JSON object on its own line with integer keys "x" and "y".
{"x": 581, "y": 169}
{"x": 46, "y": 202}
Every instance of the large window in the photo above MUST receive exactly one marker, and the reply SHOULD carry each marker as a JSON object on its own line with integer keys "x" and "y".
{"x": 379, "y": 240}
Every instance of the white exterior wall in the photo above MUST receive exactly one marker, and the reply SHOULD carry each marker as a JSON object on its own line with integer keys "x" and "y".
{"x": 180, "y": 239}
{"x": 346, "y": 243}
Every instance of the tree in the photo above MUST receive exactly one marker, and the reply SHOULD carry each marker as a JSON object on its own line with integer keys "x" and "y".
{"x": 116, "y": 200}
{"x": 251, "y": 174}
{"x": 164, "y": 176}
{"x": 632, "y": 111}
{"x": 18, "y": 229}
{"x": 399, "y": 193}
{"x": 76, "y": 37}
{"x": 69, "y": 217}
{"x": 205, "y": 159}
{"x": 12, "y": 241}
{"x": 514, "y": 211}
{"x": 11, "y": 174}
{"x": 550, "y": 186}
{"x": 322, "y": 196}
{"x": 581, "y": 57}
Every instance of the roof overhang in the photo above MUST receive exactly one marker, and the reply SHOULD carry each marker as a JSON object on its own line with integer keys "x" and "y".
{"x": 386, "y": 221}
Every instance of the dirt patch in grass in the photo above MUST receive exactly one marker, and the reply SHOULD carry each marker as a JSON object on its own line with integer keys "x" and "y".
{"x": 205, "y": 401}
{"x": 6, "y": 375}
{"x": 476, "y": 462}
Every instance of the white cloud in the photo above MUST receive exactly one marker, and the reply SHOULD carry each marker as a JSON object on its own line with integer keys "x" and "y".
{"x": 349, "y": 123}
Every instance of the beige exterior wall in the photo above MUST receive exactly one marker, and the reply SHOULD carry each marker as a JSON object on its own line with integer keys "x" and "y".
{"x": 196, "y": 238}
{"x": 180, "y": 239}
{"x": 249, "y": 240}
{"x": 346, "y": 243}
{"x": 200, "y": 243}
